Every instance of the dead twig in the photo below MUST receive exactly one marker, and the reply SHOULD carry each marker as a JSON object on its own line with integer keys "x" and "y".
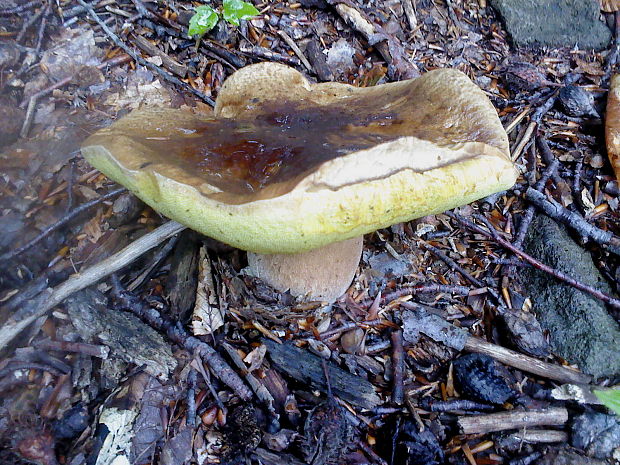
{"x": 410, "y": 14}
{"x": 515, "y": 419}
{"x": 351, "y": 325}
{"x": 388, "y": 45}
{"x": 92, "y": 350}
{"x": 47, "y": 300}
{"x": 19, "y": 8}
{"x": 415, "y": 289}
{"x": 541, "y": 436}
{"x": 611, "y": 63}
{"x": 164, "y": 74}
{"x": 538, "y": 264}
{"x": 451, "y": 263}
{"x": 425, "y": 320}
{"x": 169, "y": 63}
{"x": 525, "y": 362}
{"x": 573, "y": 220}
{"x": 31, "y": 102}
{"x": 61, "y": 222}
{"x": 527, "y": 136}
{"x": 542, "y": 110}
{"x": 190, "y": 414}
{"x": 398, "y": 367}
{"x": 116, "y": 61}
{"x": 29, "y": 22}
{"x": 262, "y": 393}
{"x": 432, "y": 405}
{"x": 528, "y": 216}
{"x": 177, "y": 334}
{"x": 42, "y": 27}
{"x": 291, "y": 43}
{"x": 265, "y": 53}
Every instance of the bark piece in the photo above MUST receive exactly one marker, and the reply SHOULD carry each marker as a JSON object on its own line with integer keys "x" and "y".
{"x": 307, "y": 368}
{"x": 183, "y": 278}
{"x": 126, "y": 335}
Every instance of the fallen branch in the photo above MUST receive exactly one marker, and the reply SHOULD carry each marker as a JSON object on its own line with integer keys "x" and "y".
{"x": 61, "y": 222}
{"x": 515, "y": 419}
{"x": 47, "y": 300}
{"x": 423, "y": 320}
{"x": 573, "y": 220}
{"x": 177, "y": 334}
{"x": 538, "y": 264}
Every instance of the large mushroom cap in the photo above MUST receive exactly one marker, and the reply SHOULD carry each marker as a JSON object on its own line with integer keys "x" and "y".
{"x": 284, "y": 166}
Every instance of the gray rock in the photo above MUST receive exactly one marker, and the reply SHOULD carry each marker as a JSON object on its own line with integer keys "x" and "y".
{"x": 554, "y": 23}
{"x": 579, "y": 326}
{"x": 597, "y": 434}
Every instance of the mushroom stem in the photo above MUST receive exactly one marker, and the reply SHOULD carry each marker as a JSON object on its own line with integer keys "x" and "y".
{"x": 320, "y": 274}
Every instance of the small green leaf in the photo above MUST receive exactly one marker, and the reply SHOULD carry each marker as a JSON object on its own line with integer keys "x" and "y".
{"x": 235, "y": 10}
{"x": 203, "y": 21}
{"x": 610, "y": 398}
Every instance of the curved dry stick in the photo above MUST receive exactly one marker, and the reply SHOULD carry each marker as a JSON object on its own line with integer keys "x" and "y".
{"x": 47, "y": 300}
{"x": 61, "y": 222}
{"x": 538, "y": 264}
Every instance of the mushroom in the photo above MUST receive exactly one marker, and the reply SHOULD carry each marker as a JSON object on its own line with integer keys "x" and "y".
{"x": 296, "y": 173}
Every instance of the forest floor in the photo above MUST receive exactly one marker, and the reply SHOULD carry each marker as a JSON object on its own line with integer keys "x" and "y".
{"x": 103, "y": 374}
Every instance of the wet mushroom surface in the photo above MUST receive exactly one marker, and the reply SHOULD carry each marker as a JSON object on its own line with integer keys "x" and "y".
{"x": 296, "y": 173}
{"x": 364, "y": 158}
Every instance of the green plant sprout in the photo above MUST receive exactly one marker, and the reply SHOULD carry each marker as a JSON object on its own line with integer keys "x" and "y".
{"x": 206, "y": 17}
{"x": 610, "y": 399}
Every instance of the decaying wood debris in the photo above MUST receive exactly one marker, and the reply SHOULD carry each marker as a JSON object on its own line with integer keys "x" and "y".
{"x": 434, "y": 355}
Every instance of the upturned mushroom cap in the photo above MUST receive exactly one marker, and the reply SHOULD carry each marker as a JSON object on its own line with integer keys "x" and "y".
{"x": 612, "y": 124}
{"x": 285, "y": 166}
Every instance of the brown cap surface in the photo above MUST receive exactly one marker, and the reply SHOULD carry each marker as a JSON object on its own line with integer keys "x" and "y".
{"x": 284, "y": 166}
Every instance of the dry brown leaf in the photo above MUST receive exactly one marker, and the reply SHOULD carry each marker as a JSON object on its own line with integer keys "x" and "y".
{"x": 591, "y": 68}
{"x": 609, "y": 6}
{"x": 612, "y": 124}
{"x": 207, "y": 316}
{"x": 586, "y": 200}
{"x": 93, "y": 229}
{"x": 256, "y": 357}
